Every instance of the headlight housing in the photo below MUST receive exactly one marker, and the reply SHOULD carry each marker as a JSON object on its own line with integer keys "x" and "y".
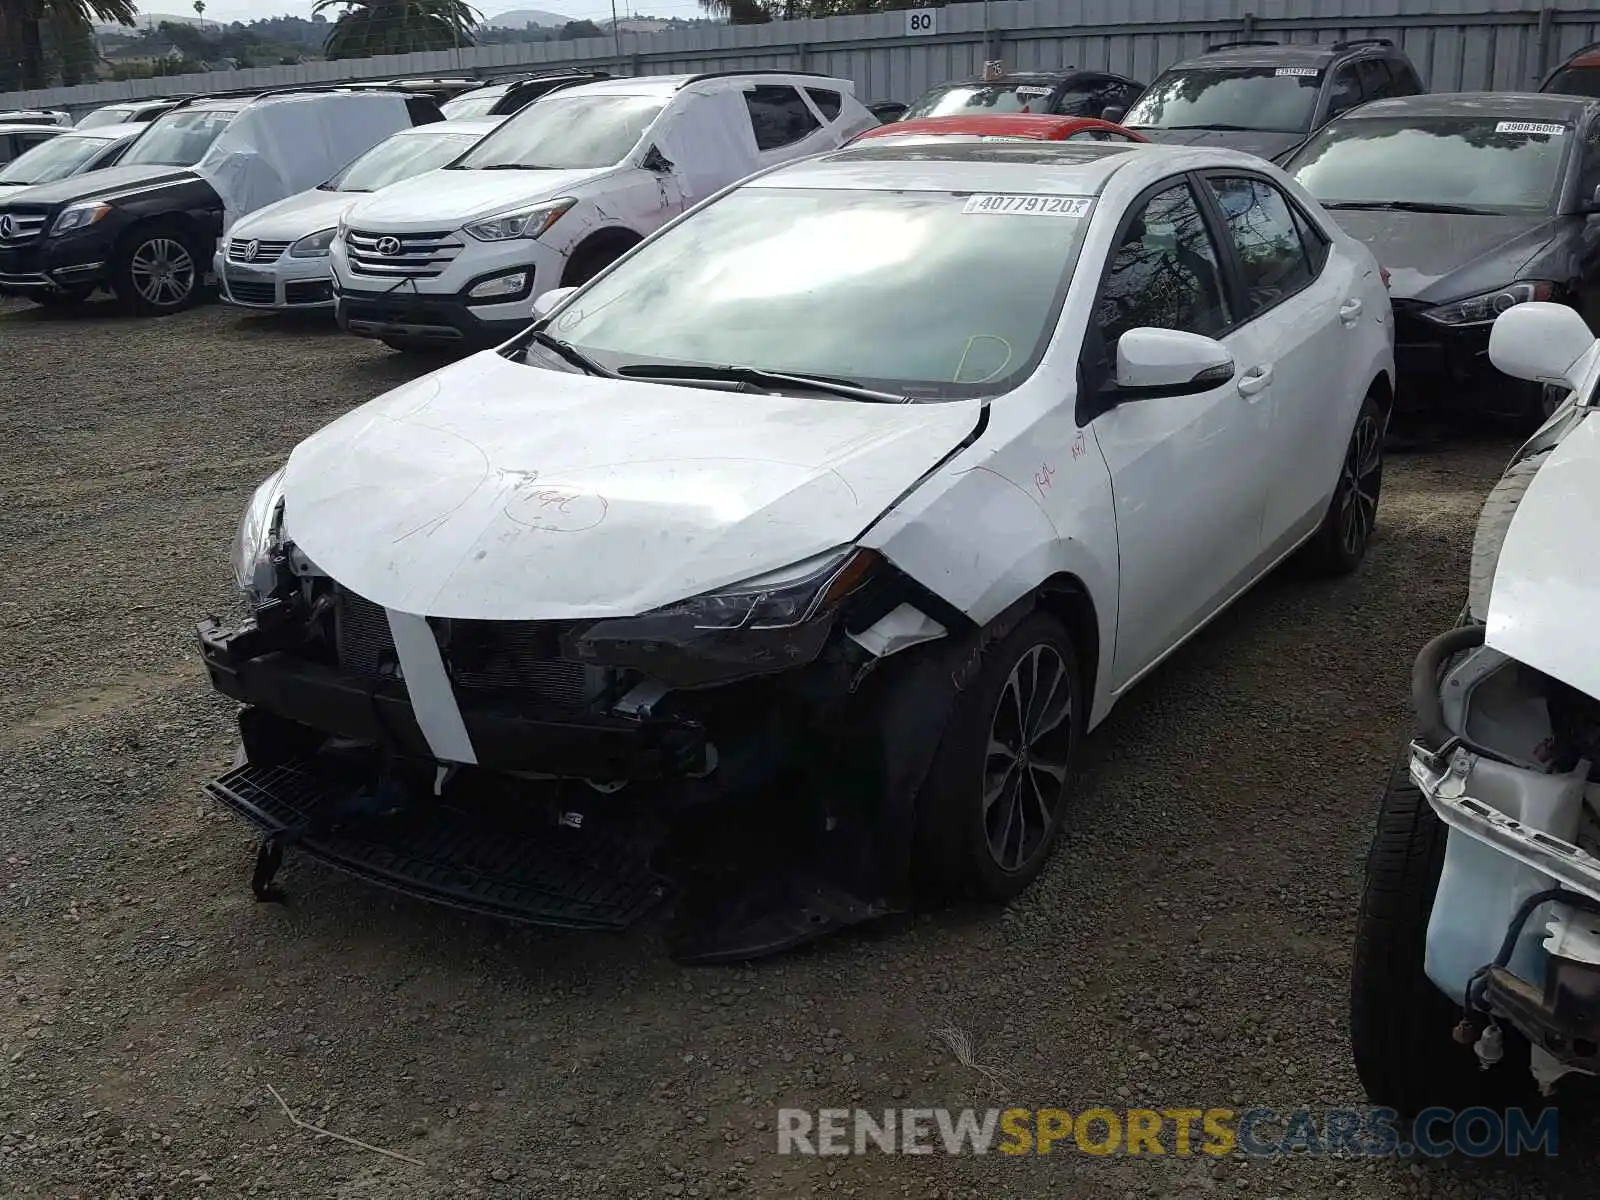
{"x": 78, "y": 216}
{"x": 1482, "y": 309}
{"x": 313, "y": 245}
{"x": 258, "y": 530}
{"x": 520, "y": 223}
{"x": 773, "y": 622}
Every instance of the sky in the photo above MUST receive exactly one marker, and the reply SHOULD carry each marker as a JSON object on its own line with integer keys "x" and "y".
{"x": 246, "y": 10}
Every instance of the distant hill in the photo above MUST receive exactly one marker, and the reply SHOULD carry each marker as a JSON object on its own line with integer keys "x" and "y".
{"x": 518, "y": 18}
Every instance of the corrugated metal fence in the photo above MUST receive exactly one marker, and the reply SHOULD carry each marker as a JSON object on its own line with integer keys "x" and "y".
{"x": 1457, "y": 45}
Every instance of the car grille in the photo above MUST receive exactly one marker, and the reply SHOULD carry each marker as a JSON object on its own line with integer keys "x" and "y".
{"x": 23, "y": 227}
{"x": 409, "y": 255}
{"x": 239, "y": 250}
{"x": 482, "y": 655}
{"x": 250, "y": 291}
{"x": 361, "y": 635}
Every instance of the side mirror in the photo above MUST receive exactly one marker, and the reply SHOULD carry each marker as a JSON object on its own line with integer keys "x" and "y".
{"x": 1169, "y": 362}
{"x": 654, "y": 160}
{"x": 546, "y": 303}
{"x": 1113, "y": 113}
{"x": 1542, "y": 342}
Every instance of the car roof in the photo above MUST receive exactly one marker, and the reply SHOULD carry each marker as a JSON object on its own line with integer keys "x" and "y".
{"x": 1042, "y": 126}
{"x": 454, "y": 125}
{"x": 110, "y": 133}
{"x": 1284, "y": 54}
{"x": 881, "y": 164}
{"x": 23, "y": 127}
{"x": 1533, "y": 106}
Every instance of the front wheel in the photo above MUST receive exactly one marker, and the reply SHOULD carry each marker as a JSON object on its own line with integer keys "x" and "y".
{"x": 997, "y": 790}
{"x": 156, "y": 270}
{"x": 1341, "y": 542}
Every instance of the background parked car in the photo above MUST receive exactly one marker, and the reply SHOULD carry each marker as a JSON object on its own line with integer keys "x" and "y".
{"x": 277, "y": 257}
{"x": 36, "y": 116}
{"x": 131, "y": 111}
{"x": 75, "y": 152}
{"x": 563, "y": 189}
{"x": 17, "y": 140}
{"x": 1068, "y": 92}
{"x": 1014, "y": 127}
{"x": 887, "y": 111}
{"x": 1473, "y": 202}
{"x": 507, "y": 96}
{"x": 1266, "y": 97}
{"x": 147, "y": 227}
{"x": 1578, "y": 76}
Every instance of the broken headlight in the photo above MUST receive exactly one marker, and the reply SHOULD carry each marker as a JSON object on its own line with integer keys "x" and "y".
{"x": 773, "y": 622}
{"x": 257, "y": 532}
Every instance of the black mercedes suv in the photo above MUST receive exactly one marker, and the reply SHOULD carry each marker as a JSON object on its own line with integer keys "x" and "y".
{"x": 145, "y": 228}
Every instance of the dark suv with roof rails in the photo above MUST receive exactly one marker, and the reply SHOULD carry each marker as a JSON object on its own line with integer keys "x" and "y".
{"x": 1266, "y": 97}
{"x": 1068, "y": 92}
{"x": 146, "y": 229}
{"x": 513, "y": 93}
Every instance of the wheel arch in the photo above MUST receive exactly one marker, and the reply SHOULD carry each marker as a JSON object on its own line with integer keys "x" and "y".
{"x": 615, "y": 240}
{"x": 1382, "y": 391}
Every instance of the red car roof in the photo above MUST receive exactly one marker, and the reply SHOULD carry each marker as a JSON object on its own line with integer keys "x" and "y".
{"x": 1043, "y": 128}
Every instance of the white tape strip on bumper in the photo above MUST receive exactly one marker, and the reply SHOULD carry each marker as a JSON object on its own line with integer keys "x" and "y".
{"x": 432, "y": 698}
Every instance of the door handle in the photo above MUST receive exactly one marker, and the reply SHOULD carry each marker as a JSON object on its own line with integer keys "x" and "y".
{"x": 1350, "y": 312}
{"x": 1254, "y": 381}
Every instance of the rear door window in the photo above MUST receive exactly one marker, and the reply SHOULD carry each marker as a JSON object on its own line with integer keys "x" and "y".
{"x": 1375, "y": 81}
{"x": 1345, "y": 91}
{"x": 829, "y": 104}
{"x": 1406, "y": 82}
{"x": 779, "y": 116}
{"x": 1085, "y": 97}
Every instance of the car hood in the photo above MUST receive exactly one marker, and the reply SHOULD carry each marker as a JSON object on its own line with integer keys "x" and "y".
{"x": 294, "y": 217}
{"x": 1541, "y": 607}
{"x": 1441, "y": 256}
{"x": 1263, "y": 143}
{"x": 495, "y": 491}
{"x": 446, "y": 197}
{"x": 106, "y": 183}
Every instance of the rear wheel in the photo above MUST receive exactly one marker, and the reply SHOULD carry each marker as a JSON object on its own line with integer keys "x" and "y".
{"x": 1338, "y": 547}
{"x": 997, "y": 790}
{"x": 156, "y": 270}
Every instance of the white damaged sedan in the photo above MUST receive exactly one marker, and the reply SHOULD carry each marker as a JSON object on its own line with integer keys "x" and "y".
{"x": 844, "y": 506}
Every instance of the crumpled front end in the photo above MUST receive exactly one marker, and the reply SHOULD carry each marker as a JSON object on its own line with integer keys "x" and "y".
{"x": 583, "y": 773}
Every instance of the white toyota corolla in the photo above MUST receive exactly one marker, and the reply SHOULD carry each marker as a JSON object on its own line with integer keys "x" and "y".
{"x": 846, "y": 504}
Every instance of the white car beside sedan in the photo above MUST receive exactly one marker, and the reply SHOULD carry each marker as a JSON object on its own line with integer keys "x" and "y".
{"x": 847, "y": 504}
{"x": 277, "y": 256}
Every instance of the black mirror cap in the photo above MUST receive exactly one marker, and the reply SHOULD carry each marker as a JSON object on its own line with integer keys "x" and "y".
{"x": 1113, "y": 113}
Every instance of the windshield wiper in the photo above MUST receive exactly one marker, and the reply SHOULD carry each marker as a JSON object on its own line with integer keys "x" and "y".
{"x": 1416, "y": 206}
{"x": 572, "y": 354}
{"x": 1222, "y": 128}
{"x": 510, "y": 167}
{"x": 755, "y": 377}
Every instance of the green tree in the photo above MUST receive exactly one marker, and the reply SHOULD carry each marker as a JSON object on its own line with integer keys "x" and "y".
{"x": 573, "y": 30}
{"x": 27, "y": 26}
{"x": 368, "y": 27}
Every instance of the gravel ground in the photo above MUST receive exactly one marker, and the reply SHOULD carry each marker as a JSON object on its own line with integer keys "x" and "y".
{"x": 1188, "y": 945}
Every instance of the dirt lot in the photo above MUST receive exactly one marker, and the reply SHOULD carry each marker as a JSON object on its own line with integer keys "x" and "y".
{"x": 1187, "y": 946}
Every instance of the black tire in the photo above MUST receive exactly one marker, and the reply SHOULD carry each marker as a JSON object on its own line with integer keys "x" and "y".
{"x": 955, "y": 826}
{"x": 1401, "y": 1025}
{"x": 69, "y": 299}
{"x": 1341, "y": 542}
{"x": 1493, "y": 521}
{"x": 590, "y": 259}
{"x": 157, "y": 269}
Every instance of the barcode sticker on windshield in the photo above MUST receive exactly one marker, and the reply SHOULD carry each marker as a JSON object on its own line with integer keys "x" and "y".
{"x": 1530, "y": 127}
{"x": 1031, "y": 206}
{"x": 1032, "y": 91}
{"x": 1298, "y": 72}
{"x": 1002, "y": 137}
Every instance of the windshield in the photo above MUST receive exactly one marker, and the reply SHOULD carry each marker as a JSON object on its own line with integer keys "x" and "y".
{"x": 473, "y": 104}
{"x": 179, "y": 139}
{"x": 934, "y": 295}
{"x": 1268, "y": 99}
{"x": 52, "y": 160}
{"x": 105, "y": 116}
{"x": 1477, "y": 161}
{"x": 983, "y": 98}
{"x": 1575, "y": 81}
{"x": 399, "y": 158}
{"x": 567, "y": 132}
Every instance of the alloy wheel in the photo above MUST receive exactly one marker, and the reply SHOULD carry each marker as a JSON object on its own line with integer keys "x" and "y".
{"x": 1359, "y": 481}
{"x": 163, "y": 272}
{"x": 1025, "y": 768}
